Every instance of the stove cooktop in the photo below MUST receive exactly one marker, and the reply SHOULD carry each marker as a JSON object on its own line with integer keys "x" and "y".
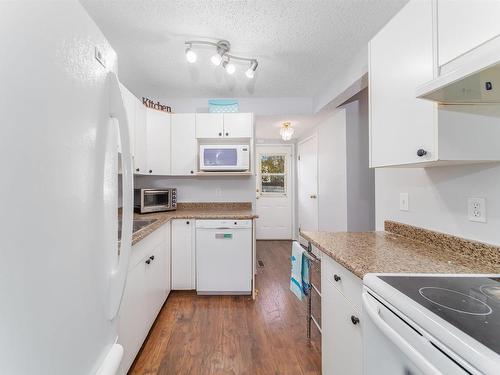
{"x": 471, "y": 304}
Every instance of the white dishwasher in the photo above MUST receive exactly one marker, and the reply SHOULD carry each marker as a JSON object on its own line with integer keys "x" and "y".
{"x": 224, "y": 256}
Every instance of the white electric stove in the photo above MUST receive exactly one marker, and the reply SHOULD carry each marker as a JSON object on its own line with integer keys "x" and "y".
{"x": 431, "y": 324}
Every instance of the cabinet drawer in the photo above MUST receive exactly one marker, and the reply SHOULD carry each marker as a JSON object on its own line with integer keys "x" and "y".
{"x": 345, "y": 281}
{"x": 146, "y": 245}
{"x": 341, "y": 338}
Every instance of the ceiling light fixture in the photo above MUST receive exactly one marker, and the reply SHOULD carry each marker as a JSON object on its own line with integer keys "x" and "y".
{"x": 250, "y": 73}
{"x": 191, "y": 56}
{"x": 230, "y": 68}
{"x": 286, "y": 131}
{"x": 222, "y": 57}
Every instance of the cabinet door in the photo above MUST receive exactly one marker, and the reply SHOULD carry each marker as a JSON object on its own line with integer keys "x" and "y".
{"x": 130, "y": 102}
{"x": 133, "y": 325}
{"x": 462, "y": 26}
{"x": 158, "y": 144}
{"x": 140, "y": 140}
{"x": 401, "y": 58}
{"x": 238, "y": 125}
{"x": 209, "y": 125}
{"x": 183, "y": 144}
{"x": 182, "y": 255}
{"x": 341, "y": 339}
{"x": 157, "y": 274}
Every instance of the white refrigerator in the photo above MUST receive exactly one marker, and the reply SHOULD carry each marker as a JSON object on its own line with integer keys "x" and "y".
{"x": 62, "y": 116}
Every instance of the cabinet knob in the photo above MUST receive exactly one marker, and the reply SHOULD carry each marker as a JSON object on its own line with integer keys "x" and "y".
{"x": 148, "y": 261}
{"x": 220, "y": 134}
{"x": 150, "y": 171}
{"x": 152, "y": 257}
{"x": 187, "y": 222}
{"x": 336, "y": 277}
{"x": 421, "y": 152}
{"x": 354, "y": 319}
{"x": 227, "y": 134}
{"x": 137, "y": 169}
{"x": 192, "y": 172}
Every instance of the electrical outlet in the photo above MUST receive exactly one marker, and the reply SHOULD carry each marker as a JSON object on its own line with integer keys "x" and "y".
{"x": 476, "y": 208}
{"x": 403, "y": 202}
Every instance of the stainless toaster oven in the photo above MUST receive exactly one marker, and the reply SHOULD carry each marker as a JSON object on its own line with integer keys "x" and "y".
{"x": 155, "y": 200}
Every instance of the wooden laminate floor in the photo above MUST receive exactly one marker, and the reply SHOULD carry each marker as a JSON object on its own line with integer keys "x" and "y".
{"x": 233, "y": 334}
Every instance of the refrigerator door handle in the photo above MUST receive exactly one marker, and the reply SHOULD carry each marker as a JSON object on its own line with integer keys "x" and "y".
{"x": 118, "y": 273}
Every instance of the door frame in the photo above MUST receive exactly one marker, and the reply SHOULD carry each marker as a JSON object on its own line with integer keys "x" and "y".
{"x": 292, "y": 177}
{"x": 301, "y": 141}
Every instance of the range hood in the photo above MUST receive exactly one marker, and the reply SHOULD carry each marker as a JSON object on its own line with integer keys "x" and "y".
{"x": 474, "y": 78}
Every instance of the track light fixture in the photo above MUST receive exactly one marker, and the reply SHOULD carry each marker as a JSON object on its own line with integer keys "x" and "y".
{"x": 222, "y": 57}
{"x": 191, "y": 56}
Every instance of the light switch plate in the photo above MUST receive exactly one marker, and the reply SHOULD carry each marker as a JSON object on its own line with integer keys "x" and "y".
{"x": 403, "y": 202}
{"x": 476, "y": 208}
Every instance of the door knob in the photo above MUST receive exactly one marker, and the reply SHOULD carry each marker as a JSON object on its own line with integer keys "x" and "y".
{"x": 421, "y": 152}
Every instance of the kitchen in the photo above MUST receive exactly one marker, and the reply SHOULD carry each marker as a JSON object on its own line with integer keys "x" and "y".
{"x": 283, "y": 208}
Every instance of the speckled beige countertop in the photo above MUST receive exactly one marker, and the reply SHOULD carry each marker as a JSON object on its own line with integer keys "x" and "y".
{"x": 412, "y": 249}
{"x": 234, "y": 211}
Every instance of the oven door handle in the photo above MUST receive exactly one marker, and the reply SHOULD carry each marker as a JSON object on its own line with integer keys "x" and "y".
{"x": 413, "y": 355}
{"x": 154, "y": 192}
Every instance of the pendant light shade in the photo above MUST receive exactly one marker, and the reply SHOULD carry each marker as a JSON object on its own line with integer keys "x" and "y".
{"x": 286, "y": 131}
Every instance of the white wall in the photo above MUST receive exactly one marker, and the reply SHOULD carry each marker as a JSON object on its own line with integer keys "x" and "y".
{"x": 204, "y": 189}
{"x": 332, "y": 173}
{"x": 361, "y": 179}
{"x": 438, "y": 198}
{"x": 346, "y": 185}
{"x": 259, "y": 106}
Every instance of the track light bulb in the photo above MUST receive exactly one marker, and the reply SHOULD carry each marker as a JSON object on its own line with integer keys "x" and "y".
{"x": 250, "y": 73}
{"x": 230, "y": 68}
{"x": 191, "y": 55}
{"x": 216, "y": 59}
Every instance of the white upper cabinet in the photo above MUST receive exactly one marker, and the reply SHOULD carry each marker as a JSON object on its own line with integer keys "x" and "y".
{"x": 405, "y": 130}
{"x": 130, "y": 102}
{"x": 224, "y": 125}
{"x": 238, "y": 125}
{"x": 183, "y": 144}
{"x": 400, "y": 59}
{"x": 209, "y": 125}
{"x": 158, "y": 142}
{"x": 140, "y": 140}
{"x": 464, "y": 25}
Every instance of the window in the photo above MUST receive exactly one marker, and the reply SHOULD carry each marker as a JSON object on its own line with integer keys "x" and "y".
{"x": 273, "y": 174}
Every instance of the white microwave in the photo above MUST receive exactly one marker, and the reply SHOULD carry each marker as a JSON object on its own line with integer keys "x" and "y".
{"x": 224, "y": 157}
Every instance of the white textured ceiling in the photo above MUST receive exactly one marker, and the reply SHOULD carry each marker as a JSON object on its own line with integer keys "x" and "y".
{"x": 300, "y": 44}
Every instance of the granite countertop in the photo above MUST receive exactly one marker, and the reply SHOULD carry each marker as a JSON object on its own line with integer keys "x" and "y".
{"x": 404, "y": 248}
{"x": 233, "y": 211}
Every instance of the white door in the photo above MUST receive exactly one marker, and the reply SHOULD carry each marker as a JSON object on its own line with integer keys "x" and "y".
{"x": 183, "y": 144}
{"x": 463, "y": 26}
{"x": 308, "y": 184}
{"x": 209, "y": 125}
{"x": 238, "y": 125}
{"x": 140, "y": 140}
{"x": 183, "y": 260}
{"x": 158, "y": 136}
{"x": 274, "y": 192}
{"x": 401, "y": 59}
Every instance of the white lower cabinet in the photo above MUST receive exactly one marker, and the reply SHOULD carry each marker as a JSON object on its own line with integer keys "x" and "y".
{"x": 183, "y": 255}
{"x": 341, "y": 336}
{"x": 147, "y": 287}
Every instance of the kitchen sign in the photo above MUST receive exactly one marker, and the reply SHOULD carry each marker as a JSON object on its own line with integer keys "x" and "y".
{"x": 158, "y": 106}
